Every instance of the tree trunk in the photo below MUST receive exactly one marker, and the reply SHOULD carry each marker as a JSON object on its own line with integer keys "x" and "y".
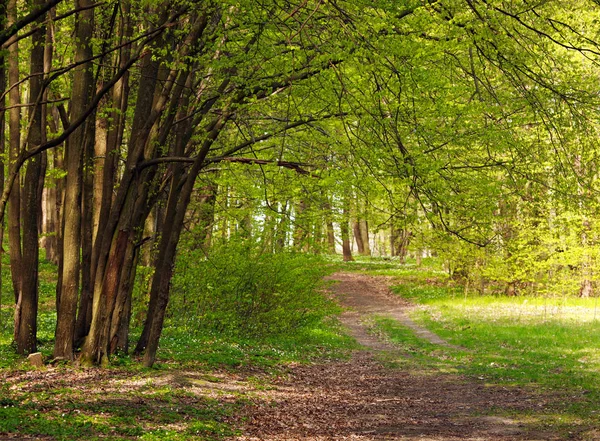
{"x": 27, "y": 331}
{"x": 358, "y": 238}
{"x": 206, "y": 215}
{"x": 14, "y": 213}
{"x": 329, "y": 227}
{"x": 281, "y": 231}
{"x": 363, "y": 228}
{"x": 345, "y": 232}
{"x": 400, "y": 240}
{"x": 50, "y": 218}
{"x": 301, "y": 234}
{"x": 3, "y": 162}
{"x": 76, "y": 145}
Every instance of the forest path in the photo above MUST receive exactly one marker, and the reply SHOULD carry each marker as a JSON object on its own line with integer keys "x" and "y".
{"x": 360, "y": 399}
{"x": 364, "y": 296}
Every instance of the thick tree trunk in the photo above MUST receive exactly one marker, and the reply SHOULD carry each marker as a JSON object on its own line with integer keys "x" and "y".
{"x": 76, "y": 145}
{"x": 87, "y": 231}
{"x": 358, "y": 238}
{"x": 400, "y": 240}
{"x": 96, "y": 348}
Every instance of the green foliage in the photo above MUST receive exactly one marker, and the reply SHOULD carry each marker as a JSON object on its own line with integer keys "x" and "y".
{"x": 237, "y": 289}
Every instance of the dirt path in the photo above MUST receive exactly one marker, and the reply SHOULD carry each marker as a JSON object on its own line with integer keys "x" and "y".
{"x": 359, "y": 399}
{"x": 367, "y": 295}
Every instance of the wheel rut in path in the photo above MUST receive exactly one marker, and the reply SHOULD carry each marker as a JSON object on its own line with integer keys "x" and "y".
{"x": 360, "y": 399}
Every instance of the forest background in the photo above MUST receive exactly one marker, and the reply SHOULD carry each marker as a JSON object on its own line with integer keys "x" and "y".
{"x": 134, "y": 132}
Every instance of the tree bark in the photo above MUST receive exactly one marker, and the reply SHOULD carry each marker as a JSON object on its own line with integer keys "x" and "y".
{"x": 76, "y": 145}
{"x": 358, "y": 238}
{"x": 329, "y": 227}
{"x": 363, "y": 229}
{"x": 14, "y": 213}
{"x": 27, "y": 331}
{"x": 345, "y": 233}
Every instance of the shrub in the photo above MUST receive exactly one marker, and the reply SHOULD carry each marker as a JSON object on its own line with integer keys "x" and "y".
{"x": 237, "y": 289}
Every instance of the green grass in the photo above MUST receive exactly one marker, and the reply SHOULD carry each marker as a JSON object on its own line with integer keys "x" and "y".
{"x": 184, "y": 346}
{"x": 179, "y": 399}
{"x": 549, "y": 345}
{"x": 136, "y": 412}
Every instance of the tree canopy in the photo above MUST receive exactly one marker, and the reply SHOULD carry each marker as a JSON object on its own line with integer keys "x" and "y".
{"x": 463, "y": 127}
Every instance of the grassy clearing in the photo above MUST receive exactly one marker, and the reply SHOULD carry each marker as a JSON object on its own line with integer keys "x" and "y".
{"x": 549, "y": 344}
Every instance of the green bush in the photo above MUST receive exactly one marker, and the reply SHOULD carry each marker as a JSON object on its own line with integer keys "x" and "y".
{"x": 237, "y": 289}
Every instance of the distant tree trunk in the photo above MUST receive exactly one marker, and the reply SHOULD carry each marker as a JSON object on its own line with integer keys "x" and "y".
{"x": 364, "y": 234}
{"x": 586, "y": 288}
{"x": 206, "y": 215}
{"x": 76, "y": 146}
{"x": 51, "y": 222}
{"x": 358, "y": 237}
{"x": 345, "y": 233}
{"x": 27, "y": 331}
{"x": 300, "y": 227}
{"x": 281, "y": 232}
{"x": 329, "y": 228}
{"x": 510, "y": 289}
{"x": 400, "y": 240}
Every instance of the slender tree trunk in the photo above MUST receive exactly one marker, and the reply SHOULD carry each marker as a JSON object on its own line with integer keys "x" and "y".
{"x": 363, "y": 229}
{"x": 329, "y": 227}
{"x": 345, "y": 232}
{"x": 14, "y": 213}
{"x": 51, "y": 224}
{"x": 176, "y": 209}
{"x": 27, "y": 331}
{"x": 3, "y": 18}
{"x": 206, "y": 215}
{"x": 300, "y": 227}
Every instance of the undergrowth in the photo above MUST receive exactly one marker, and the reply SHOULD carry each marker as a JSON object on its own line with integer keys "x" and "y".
{"x": 237, "y": 310}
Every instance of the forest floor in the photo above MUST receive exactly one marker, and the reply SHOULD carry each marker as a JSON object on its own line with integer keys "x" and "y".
{"x": 362, "y": 399}
{"x": 369, "y": 395}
